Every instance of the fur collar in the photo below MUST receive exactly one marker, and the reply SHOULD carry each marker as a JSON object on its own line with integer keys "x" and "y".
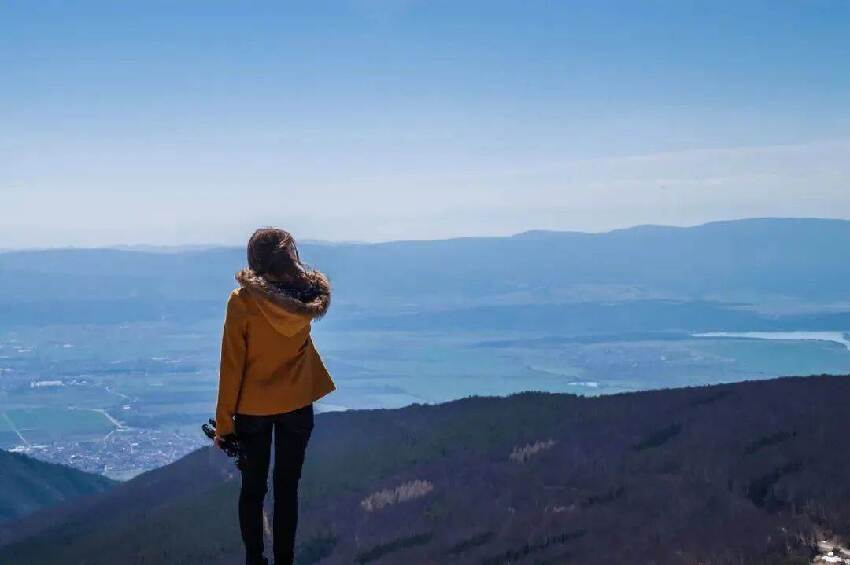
{"x": 313, "y": 302}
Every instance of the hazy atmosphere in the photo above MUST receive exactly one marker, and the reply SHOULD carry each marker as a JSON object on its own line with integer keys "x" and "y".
{"x": 192, "y": 122}
{"x": 567, "y": 282}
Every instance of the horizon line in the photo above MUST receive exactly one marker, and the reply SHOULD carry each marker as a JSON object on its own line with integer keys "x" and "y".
{"x": 178, "y": 247}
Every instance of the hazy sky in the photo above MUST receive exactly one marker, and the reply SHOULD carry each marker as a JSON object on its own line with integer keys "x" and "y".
{"x": 193, "y": 121}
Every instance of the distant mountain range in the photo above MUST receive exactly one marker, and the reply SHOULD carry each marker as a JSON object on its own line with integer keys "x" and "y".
{"x": 752, "y": 472}
{"x": 27, "y": 485}
{"x": 794, "y": 263}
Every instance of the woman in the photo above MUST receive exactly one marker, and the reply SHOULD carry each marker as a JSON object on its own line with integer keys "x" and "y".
{"x": 269, "y": 378}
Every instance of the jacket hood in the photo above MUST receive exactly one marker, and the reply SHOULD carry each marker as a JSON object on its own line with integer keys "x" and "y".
{"x": 288, "y": 310}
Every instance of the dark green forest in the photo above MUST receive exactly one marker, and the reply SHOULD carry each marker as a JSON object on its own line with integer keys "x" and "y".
{"x": 752, "y": 472}
{"x": 27, "y": 485}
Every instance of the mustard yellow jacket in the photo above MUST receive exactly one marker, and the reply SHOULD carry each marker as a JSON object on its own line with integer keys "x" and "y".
{"x": 268, "y": 362}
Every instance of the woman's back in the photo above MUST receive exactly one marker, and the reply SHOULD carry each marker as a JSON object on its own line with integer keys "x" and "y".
{"x": 267, "y": 341}
{"x": 270, "y": 375}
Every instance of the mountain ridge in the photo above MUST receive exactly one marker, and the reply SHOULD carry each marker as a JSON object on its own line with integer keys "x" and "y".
{"x": 697, "y": 474}
{"x": 158, "y": 249}
{"x": 27, "y": 484}
{"x": 759, "y": 262}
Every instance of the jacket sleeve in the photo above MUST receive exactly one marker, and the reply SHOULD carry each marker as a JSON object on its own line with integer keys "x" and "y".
{"x": 234, "y": 344}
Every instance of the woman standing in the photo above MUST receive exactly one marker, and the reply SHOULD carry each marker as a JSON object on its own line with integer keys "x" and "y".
{"x": 270, "y": 376}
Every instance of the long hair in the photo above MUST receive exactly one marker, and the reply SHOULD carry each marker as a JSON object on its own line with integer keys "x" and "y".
{"x": 273, "y": 252}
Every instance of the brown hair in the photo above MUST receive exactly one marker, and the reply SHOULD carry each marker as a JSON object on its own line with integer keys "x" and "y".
{"x": 273, "y": 252}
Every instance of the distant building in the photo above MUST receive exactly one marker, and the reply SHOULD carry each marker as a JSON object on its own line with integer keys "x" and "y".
{"x": 44, "y": 384}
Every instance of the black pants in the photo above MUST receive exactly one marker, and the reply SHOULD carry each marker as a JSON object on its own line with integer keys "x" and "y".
{"x": 291, "y": 434}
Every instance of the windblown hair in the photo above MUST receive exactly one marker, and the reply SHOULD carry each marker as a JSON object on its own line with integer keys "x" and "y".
{"x": 275, "y": 271}
{"x": 273, "y": 252}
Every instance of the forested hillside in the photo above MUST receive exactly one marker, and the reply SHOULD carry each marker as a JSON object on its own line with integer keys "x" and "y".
{"x": 752, "y": 472}
{"x": 27, "y": 484}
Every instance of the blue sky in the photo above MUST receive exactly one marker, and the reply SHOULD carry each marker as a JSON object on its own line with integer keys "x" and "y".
{"x": 170, "y": 122}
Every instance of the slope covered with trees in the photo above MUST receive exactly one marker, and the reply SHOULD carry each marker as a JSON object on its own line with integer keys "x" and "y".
{"x": 27, "y": 484}
{"x": 751, "y": 472}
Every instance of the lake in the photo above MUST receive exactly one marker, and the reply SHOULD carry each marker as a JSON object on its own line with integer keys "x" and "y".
{"x": 835, "y": 337}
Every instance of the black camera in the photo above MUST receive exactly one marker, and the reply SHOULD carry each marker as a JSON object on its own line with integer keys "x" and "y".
{"x": 229, "y": 444}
